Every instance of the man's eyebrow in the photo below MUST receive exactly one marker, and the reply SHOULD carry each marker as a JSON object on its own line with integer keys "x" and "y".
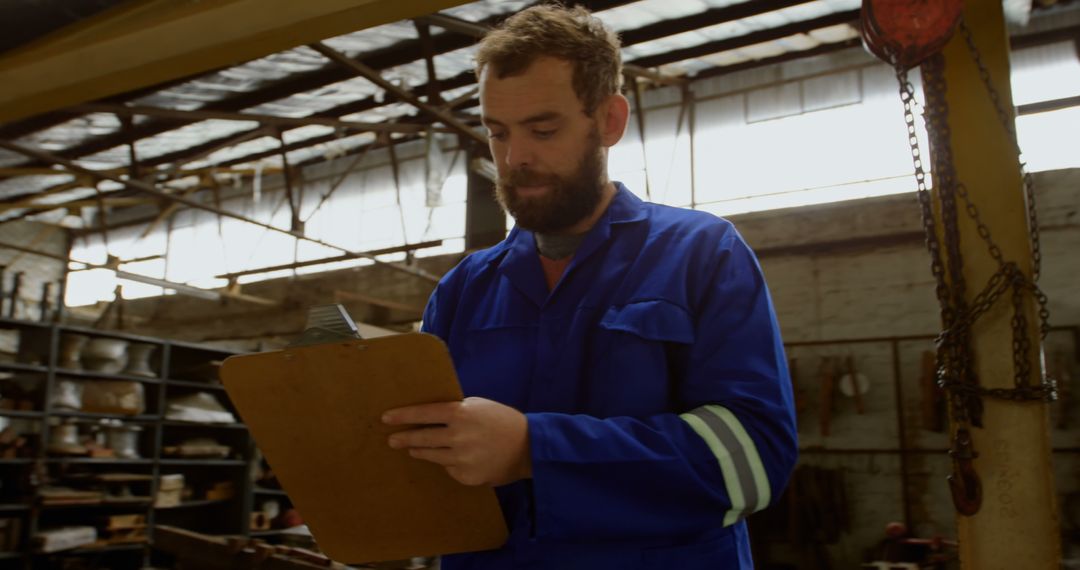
{"x": 537, "y": 118}
{"x": 541, "y": 117}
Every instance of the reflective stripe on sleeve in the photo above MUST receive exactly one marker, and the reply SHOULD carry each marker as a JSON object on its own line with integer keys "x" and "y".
{"x": 745, "y": 479}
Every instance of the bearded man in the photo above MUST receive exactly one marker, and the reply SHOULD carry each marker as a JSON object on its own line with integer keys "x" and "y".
{"x": 628, "y": 396}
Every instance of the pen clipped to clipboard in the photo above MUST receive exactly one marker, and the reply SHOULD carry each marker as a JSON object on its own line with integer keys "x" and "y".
{"x": 314, "y": 410}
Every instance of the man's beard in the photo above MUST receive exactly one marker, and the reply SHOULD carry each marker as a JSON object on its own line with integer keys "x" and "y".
{"x": 567, "y": 201}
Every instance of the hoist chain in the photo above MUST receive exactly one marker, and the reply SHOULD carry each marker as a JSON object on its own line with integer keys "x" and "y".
{"x": 955, "y": 360}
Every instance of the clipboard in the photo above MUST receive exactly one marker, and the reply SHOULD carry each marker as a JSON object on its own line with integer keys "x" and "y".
{"x": 314, "y": 411}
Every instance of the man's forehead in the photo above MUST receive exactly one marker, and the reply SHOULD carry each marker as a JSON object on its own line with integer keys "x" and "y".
{"x": 541, "y": 68}
{"x": 545, "y": 87}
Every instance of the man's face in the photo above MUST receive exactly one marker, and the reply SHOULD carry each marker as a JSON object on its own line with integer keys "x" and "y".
{"x": 548, "y": 152}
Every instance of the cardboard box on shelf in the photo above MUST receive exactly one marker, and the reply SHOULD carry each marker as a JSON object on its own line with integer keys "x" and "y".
{"x": 64, "y": 538}
{"x": 10, "y": 534}
{"x": 168, "y": 498}
{"x": 221, "y": 491}
{"x": 171, "y": 481}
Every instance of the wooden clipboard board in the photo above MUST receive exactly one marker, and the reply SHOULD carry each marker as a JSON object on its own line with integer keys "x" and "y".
{"x": 314, "y": 411}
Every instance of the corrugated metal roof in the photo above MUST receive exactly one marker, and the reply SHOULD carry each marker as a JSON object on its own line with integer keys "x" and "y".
{"x": 259, "y": 74}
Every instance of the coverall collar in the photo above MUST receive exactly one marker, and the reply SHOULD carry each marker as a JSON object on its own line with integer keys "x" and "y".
{"x": 520, "y": 262}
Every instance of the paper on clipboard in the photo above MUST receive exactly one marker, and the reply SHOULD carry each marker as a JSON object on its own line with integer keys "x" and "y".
{"x": 314, "y": 411}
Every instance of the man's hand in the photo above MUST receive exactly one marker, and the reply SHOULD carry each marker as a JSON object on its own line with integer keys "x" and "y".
{"x": 478, "y": 441}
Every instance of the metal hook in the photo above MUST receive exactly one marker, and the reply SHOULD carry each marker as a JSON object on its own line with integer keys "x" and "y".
{"x": 964, "y": 482}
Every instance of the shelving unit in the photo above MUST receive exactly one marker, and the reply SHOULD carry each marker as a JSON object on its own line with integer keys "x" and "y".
{"x": 176, "y": 366}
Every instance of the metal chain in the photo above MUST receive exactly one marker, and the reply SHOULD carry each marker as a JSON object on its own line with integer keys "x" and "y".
{"x": 1029, "y": 185}
{"x": 956, "y": 372}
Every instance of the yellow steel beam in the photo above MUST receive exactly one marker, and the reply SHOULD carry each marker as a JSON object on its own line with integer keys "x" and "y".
{"x": 146, "y": 42}
{"x": 1017, "y": 525}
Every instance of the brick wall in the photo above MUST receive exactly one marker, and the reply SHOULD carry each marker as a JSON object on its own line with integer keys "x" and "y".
{"x": 858, "y": 270}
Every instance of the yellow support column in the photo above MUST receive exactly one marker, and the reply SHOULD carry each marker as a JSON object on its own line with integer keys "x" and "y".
{"x": 1017, "y": 525}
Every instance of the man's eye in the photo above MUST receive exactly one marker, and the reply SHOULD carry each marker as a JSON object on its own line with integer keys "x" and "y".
{"x": 543, "y": 134}
{"x": 496, "y": 136}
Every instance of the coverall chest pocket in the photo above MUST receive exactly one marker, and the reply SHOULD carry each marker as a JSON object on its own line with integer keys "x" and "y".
{"x": 497, "y": 357}
{"x": 631, "y": 350}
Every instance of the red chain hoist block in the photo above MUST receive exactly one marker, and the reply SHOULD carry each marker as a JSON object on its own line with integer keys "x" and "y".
{"x": 906, "y": 32}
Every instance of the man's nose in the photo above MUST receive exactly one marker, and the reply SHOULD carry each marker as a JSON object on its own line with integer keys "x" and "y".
{"x": 518, "y": 154}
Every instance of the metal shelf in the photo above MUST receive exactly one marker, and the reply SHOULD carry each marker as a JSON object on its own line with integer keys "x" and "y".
{"x": 183, "y": 361}
{"x": 91, "y": 332}
{"x": 6, "y": 322}
{"x": 20, "y": 367}
{"x": 21, "y": 414}
{"x": 99, "y": 461}
{"x": 91, "y": 375}
{"x": 142, "y": 418}
{"x": 19, "y": 461}
{"x": 98, "y": 549}
{"x": 203, "y": 462}
{"x": 193, "y": 504}
{"x": 196, "y": 384}
{"x": 181, "y": 423}
{"x": 142, "y": 505}
{"x": 265, "y": 533}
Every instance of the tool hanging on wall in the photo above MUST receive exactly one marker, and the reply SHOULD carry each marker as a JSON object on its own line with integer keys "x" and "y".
{"x": 854, "y": 385}
{"x": 827, "y": 379}
{"x": 3, "y": 270}
{"x": 61, "y": 294}
{"x": 46, "y": 294}
{"x": 838, "y": 374}
{"x": 1060, "y": 364}
{"x": 904, "y": 34}
{"x": 13, "y": 303}
{"x": 931, "y": 397}
{"x": 800, "y": 397}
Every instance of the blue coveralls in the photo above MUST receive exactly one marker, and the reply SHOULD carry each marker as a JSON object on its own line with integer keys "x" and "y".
{"x": 660, "y": 312}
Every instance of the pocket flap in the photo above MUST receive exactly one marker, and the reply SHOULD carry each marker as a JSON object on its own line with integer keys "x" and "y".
{"x": 653, "y": 320}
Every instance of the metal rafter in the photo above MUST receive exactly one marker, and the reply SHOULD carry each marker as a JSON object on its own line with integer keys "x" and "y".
{"x": 790, "y": 56}
{"x": 460, "y": 80}
{"x": 149, "y": 41}
{"x": 152, "y": 190}
{"x": 29, "y": 201}
{"x": 347, "y": 257}
{"x": 120, "y": 274}
{"x": 708, "y": 48}
{"x": 642, "y": 34}
{"x": 270, "y": 120}
{"x": 424, "y": 31}
{"x": 400, "y": 53}
{"x": 710, "y": 17}
{"x": 403, "y": 94}
{"x": 647, "y": 33}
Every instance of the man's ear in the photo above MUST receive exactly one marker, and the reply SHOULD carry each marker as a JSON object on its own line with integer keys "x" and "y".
{"x": 615, "y": 113}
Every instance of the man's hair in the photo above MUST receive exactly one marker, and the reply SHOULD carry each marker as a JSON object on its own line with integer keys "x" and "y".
{"x": 569, "y": 34}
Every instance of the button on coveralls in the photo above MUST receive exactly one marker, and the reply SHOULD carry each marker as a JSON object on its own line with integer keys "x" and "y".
{"x": 654, "y": 382}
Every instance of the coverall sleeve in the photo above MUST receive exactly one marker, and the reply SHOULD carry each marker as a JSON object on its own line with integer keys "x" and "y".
{"x": 728, "y": 452}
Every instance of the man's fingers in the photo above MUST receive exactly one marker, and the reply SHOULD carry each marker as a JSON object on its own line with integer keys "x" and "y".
{"x": 416, "y": 438}
{"x": 439, "y": 413}
{"x": 442, "y": 456}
